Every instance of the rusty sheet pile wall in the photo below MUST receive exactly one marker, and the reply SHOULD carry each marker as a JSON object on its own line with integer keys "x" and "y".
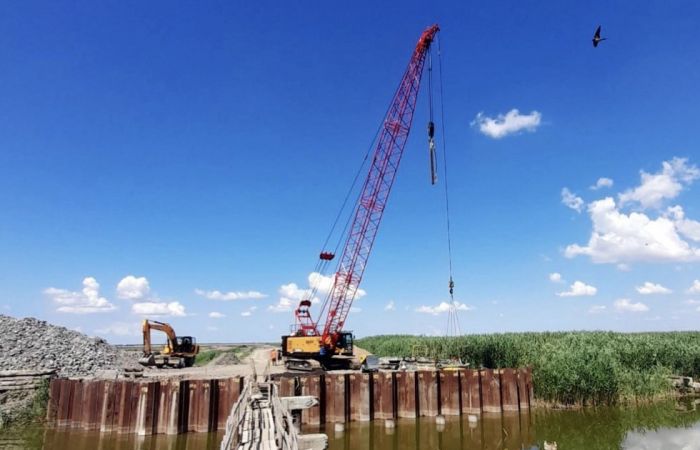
{"x": 390, "y": 395}
{"x": 142, "y": 407}
{"x": 180, "y": 406}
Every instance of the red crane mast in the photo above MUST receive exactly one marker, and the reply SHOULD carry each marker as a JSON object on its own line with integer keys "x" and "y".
{"x": 372, "y": 201}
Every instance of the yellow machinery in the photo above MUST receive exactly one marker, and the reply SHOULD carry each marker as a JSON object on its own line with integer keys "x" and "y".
{"x": 179, "y": 351}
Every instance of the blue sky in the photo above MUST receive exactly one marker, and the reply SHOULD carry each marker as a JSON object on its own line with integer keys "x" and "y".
{"x": 148, "y": 151}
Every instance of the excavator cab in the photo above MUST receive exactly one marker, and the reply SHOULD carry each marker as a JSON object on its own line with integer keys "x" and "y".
{"x": 186, "y": 344}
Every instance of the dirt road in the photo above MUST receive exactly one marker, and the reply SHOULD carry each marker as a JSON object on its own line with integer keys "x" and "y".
{"x": 257, "y": 362}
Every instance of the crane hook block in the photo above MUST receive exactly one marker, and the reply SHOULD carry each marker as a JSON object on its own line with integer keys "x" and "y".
{"x": 431, "y": 129}
{"x": 327, "y": 256}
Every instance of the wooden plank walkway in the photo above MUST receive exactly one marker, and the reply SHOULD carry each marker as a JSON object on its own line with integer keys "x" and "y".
{"x": 259, "y": 420}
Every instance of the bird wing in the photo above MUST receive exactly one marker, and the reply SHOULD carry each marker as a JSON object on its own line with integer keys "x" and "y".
{"x": 597, "y": 32}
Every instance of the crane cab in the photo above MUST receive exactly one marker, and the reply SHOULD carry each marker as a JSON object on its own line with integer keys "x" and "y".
{"x": 301, "y": 350}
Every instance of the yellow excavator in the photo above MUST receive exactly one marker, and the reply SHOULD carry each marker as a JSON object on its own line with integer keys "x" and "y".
{"x": 179, "y": 351}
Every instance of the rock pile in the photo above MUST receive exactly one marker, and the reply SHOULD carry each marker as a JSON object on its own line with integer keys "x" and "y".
{"x": 35, "y": 344}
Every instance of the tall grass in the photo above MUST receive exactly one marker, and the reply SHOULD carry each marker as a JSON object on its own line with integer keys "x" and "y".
{"x": 568, "y": 367}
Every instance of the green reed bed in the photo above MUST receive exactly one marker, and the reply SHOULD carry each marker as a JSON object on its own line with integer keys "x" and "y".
{"x": 577, "y": 367}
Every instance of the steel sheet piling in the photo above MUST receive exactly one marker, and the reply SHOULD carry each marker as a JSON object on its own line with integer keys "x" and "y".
{"x": 179, "y": 406}
{"x": 427, "y": 393}
{"x": 406, "y": 395}
{"x": 383, "y": 395}
{"x": 509, "y": 390}
{"x": 523, "y": 390}
{"x": 358, "y": 399}
{"x": 490, "y": 391}
{"x": 470, "y": 391}
{"x": 450, "y": 393}
{"x": 311, "y": 385}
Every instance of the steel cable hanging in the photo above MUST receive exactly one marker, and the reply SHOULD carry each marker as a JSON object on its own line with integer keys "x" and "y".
{"x": 453, "y": 318}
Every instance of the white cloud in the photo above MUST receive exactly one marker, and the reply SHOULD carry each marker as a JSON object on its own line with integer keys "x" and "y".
{"x": 688, "y": 228}
{"x": 84, "y": 302}
{"x": 390, "y": 306}
{"x": 324, "y": 284}
{"x": 579, "y": 289}
{"x": 571, "y": 200}
{"x": 597, "y": 309}
{"x": 649, "y": 288}
{"x": 158, "y": 309}
{"x": 555, "y": 277}
{"x": 625, "y": 305}
{"x": 622, "y": 267}
{"x": 619, "y": 237}
{"x": 133, "y": 288}
{"x": 216, "y": 315}
{"x": 443, "y": 307}
{"x": 291, "y": 293}
{"x": 212, "y": 328}
{"x": 509, "y": 123}
{"x": 231, "y": 295}
{"x": 120, "y": 329}
{"x": 692, "y": 302}
{"x": 249, "y": 312}
{"x": 283, "y": 305}
{"x": 602, "y": 183}
{"x": 665, "y": 184}
{"x": 355, "y": 309}
{"x": 695, "y": 288}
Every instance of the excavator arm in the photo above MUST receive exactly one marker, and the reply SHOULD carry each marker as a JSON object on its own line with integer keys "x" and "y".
{"x": 149, "y": 325}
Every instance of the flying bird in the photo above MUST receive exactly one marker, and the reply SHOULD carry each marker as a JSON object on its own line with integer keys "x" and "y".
{"x": 597, "y": 38}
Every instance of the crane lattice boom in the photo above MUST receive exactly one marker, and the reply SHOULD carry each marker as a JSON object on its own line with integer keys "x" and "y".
{"x": 373, "y": 198}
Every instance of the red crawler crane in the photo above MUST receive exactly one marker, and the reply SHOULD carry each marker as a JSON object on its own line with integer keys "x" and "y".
{"x": 310, "y": 340}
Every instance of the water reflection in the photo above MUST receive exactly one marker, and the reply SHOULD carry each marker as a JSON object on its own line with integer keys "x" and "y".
{"x": 668, "y": 425}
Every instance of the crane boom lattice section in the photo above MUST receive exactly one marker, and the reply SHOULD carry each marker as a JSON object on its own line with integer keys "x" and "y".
{"x": 375, "y": 192}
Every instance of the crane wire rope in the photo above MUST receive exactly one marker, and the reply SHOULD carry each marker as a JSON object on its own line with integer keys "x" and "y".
{"x": 454, "y": 322}
{"x": 322, "y": 265}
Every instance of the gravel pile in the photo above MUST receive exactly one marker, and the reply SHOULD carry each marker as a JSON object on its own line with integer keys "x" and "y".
{"x": 35, "y": 344}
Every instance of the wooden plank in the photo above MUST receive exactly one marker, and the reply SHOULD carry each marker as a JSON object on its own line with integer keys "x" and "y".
{"x": 427, "y": 393}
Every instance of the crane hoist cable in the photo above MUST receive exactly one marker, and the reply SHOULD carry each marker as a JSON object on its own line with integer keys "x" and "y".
{"x": 433, "y": 156}
{"x": 453, "y": 326}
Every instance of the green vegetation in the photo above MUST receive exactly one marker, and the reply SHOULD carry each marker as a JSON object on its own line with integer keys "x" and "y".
{"x": 568, "y": 367}
{"x": 32, "y": 409}
{"x": 233, "y": 355}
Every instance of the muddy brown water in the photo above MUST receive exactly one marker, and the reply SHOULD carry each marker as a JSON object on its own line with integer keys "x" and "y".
{"x": 667, "y": 425}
